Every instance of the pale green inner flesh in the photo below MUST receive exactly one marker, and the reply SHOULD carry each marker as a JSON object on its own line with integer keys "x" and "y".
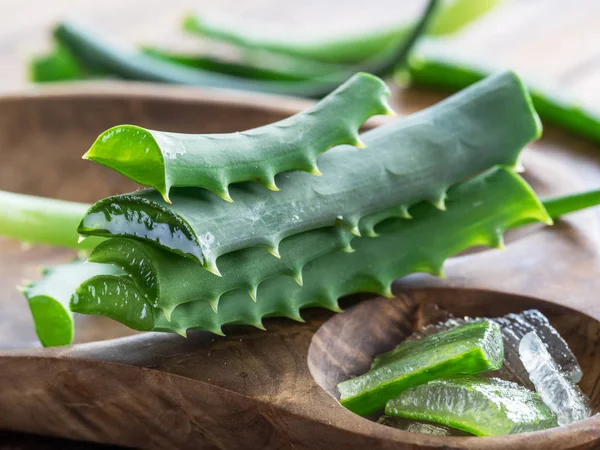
{"x": 482, "y": 406}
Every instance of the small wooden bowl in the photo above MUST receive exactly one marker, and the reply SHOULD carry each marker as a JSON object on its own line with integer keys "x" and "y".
{"x": 256, "y": 389}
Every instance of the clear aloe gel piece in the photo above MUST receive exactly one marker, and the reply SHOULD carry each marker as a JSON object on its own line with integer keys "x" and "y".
{"x": 559, "y": 393}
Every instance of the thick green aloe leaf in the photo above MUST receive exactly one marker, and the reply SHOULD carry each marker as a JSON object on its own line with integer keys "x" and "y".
{"x": 170, "y": 280}
{"x": 49, "y": 299}
{"x": 468, "y": 349}
{"x": 214, "y": 161}
{"x": 435, "y": 63}
{"x": 260, "y": 67}
{"x": 481, "y": 406}
{"x": 408, "y": 161}
{"x": 37, "y": 220}
{"x": 447, "y": 18}
{"x": 275, "y": 305}
{"x": 98, "y": 55}
{"x": 478, "y": 212}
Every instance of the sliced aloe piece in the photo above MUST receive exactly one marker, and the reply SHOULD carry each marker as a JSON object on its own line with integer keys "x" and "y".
{"x": 411, "y": 160}
{"x": 163, "y": 160}
{"x": 468, "y": 349}
{"x": 49, "y": 299}
{"x": 477, "y": 405}
{"x": 514, "y": 327}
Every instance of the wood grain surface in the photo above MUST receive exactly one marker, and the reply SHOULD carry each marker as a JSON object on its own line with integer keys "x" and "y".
{"x": 546, "y": 39}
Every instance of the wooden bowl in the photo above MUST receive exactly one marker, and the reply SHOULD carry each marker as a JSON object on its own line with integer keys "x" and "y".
{"x": 256, "y": 389}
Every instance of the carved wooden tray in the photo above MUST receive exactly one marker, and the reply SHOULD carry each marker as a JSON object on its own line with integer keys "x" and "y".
{"x": 256, "y": 389}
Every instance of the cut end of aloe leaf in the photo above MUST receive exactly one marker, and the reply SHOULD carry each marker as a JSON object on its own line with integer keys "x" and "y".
{"x": 116, "y": 297}
{"x": 121, "y": 148}
{"x": 148, "y": 220}
{"x": 53, "y": 322}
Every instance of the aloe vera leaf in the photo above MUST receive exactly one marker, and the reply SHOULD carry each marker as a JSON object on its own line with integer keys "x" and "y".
{"x": 92, "y": 51}
{"x": 435, "y": 63}
{"x": 454, "y": 15}
{"x": 38, "y": 220}
{"x": 447, "y": 18}
{"x": 99, "y": 55}
{"x": 59, "y": 65}
{"x": 239, "y": 310}
{"x": 170, "y": 280}
{"x": 260, "y": 67}
{"x": 481, "y": 406}
{"x": 214, "y": 161}
{"x": 478, "y": 211}
{"x": 411, "y": 160}
{"x": 49, "y": 299}
{"x": 467, "y": 349}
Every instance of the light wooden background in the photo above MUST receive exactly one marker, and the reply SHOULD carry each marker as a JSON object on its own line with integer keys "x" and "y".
{"x": 554, "y": 40}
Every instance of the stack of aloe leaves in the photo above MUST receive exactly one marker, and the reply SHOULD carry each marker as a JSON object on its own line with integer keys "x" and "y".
{"x": 240, "y": 227}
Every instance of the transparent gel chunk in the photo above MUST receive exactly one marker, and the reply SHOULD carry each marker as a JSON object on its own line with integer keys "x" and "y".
{"x": 559, "y": 393}
{"x": 514, "y": 327}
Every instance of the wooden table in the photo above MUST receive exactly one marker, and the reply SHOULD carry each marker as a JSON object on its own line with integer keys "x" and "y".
{"x": 546, "y": 39}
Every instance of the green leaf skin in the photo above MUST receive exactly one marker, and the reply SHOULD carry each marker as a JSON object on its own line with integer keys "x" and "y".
{"x": 447, "y": 18}
{"x": 468, "y": 350}
{"x": 260, "y": 67}
{"x": 49, "y": 299}
{"x": 455, "y": 15}
{"x": 245, "y": 312}
{"x": 411, "y": 160}
{"x": 481, "y": 406}
{"x": 99, "y": 55}
{"x": 214, "y": 161}
{"x": 59, "y": 65}
{"x": 435, "y": 63}
{"x": 38, "y": 220}
{"x": 170, "y": 280}
{"x": 478, "y": 212}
